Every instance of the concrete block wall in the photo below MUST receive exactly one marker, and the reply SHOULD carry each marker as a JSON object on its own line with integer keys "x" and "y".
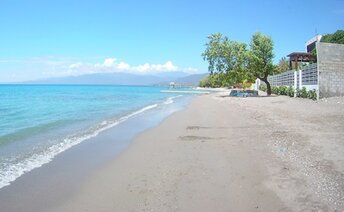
{"x": 331, "y": 69}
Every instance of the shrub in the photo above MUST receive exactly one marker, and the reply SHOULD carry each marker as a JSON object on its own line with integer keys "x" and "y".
{"x": 246, "y": 84}
{"x": 312, "y": 94}
{"x": 304, "y": 93}
{"x": 290, "y": 91}
{"x": 263, "y": 88}
{"x": 301, "y": 93}
{"x": 298, "y": 92}
{"x": 274, "y": 90}
{"x": 282, "y": 90}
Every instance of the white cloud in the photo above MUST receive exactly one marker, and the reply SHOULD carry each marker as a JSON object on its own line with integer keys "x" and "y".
{"x": 75, "y": 65}
{"x": 155, "y": 68}
{"x": 54, "y": 66}
{"x": 123, "y": 66}
{"x": 113, "y": 65}
{"x": 109, "y": 62}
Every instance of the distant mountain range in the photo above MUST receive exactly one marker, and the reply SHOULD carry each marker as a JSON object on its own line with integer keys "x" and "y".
{"x": 190, "y": 80}
{"x": 180, "y": 78}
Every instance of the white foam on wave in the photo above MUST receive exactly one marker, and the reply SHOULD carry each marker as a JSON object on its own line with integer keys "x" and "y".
{"x": 170, "y": 100}
{"x": 11, "y": 172}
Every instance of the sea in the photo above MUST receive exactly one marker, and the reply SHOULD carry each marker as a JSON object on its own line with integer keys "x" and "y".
{"x": 38, "y": 122}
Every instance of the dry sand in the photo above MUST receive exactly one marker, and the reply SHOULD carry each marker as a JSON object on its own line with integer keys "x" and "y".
{"x": 228, "y": 154}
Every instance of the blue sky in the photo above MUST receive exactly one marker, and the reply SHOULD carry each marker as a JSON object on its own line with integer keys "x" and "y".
{"x": 42, "y": 39}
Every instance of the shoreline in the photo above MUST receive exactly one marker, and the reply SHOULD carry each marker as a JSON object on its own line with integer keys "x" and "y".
{"x": 145, "y": 175}
{"x": 39, "y": 134}
{"x": 226, "y": 154}
{"x": 222, "y": 154}
{"x": 55, "y": 181}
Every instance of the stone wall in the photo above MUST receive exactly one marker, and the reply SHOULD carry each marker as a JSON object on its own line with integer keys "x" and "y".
{"x": 331, "y": 69}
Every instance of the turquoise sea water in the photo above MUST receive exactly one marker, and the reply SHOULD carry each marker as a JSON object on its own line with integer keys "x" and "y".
{"x": 37, "y": 122}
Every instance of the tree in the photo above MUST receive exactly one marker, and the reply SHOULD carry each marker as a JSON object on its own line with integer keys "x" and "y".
{"x": 260, "y": 57}
{"x": 232, "y": 61}
{"x": 337, "y": 37}
{"x": 216, "y": 80}
{"x": 205, "y": 82}
{"x": 283, "y": 65}
{"x": 226, "y": 57}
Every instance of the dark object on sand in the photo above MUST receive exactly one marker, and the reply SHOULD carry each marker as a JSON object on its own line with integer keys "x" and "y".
{"x": 252, "y": 92}
{"x": 243, "y": 93}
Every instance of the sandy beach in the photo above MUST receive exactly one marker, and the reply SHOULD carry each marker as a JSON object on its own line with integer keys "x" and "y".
{"x": 228, "y": 154}
{"x": 219, "y": 154}
{"x": 171, "y": 106}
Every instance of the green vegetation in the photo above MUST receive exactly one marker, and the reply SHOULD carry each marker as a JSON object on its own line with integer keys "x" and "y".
{"x": 283, "y": 66}
{"x": 312, "y": 94}
{"x": 230, "y": 62}
{"x": 289, "y": 91}
{"x": 260, "y": 58}
{"x": 226, "y": 58}
{"x": 235, "y": 63}
{"x": 216, "y": 81}
{"x": 301, "y": 93}
{"x": 337, "y": 37}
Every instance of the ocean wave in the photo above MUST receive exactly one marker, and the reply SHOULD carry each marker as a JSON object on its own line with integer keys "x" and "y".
{"x": 10, "y": 172}
{"x": 25, "y": 132}
{"x": 170, "y": 100}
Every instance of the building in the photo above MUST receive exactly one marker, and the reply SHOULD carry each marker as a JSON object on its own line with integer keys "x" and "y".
{"x": 311, "y": 44}
{"x": 172, "y": 85}
{"x": 298, "y": 59}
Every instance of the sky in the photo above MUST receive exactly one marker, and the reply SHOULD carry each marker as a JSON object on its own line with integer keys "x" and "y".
{"x": 42, "y": 39}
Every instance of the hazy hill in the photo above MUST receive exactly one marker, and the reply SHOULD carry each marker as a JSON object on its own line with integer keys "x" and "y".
{"x": 191, "y": 79}
{"x": 124, "y": 79}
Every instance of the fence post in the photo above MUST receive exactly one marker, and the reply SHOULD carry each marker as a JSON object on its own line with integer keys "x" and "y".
{"x": 295, "y": 83}
{"x": 300, "y": 79}
{"x": 318, "y": 76}
{"x": 257, "y": 85}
